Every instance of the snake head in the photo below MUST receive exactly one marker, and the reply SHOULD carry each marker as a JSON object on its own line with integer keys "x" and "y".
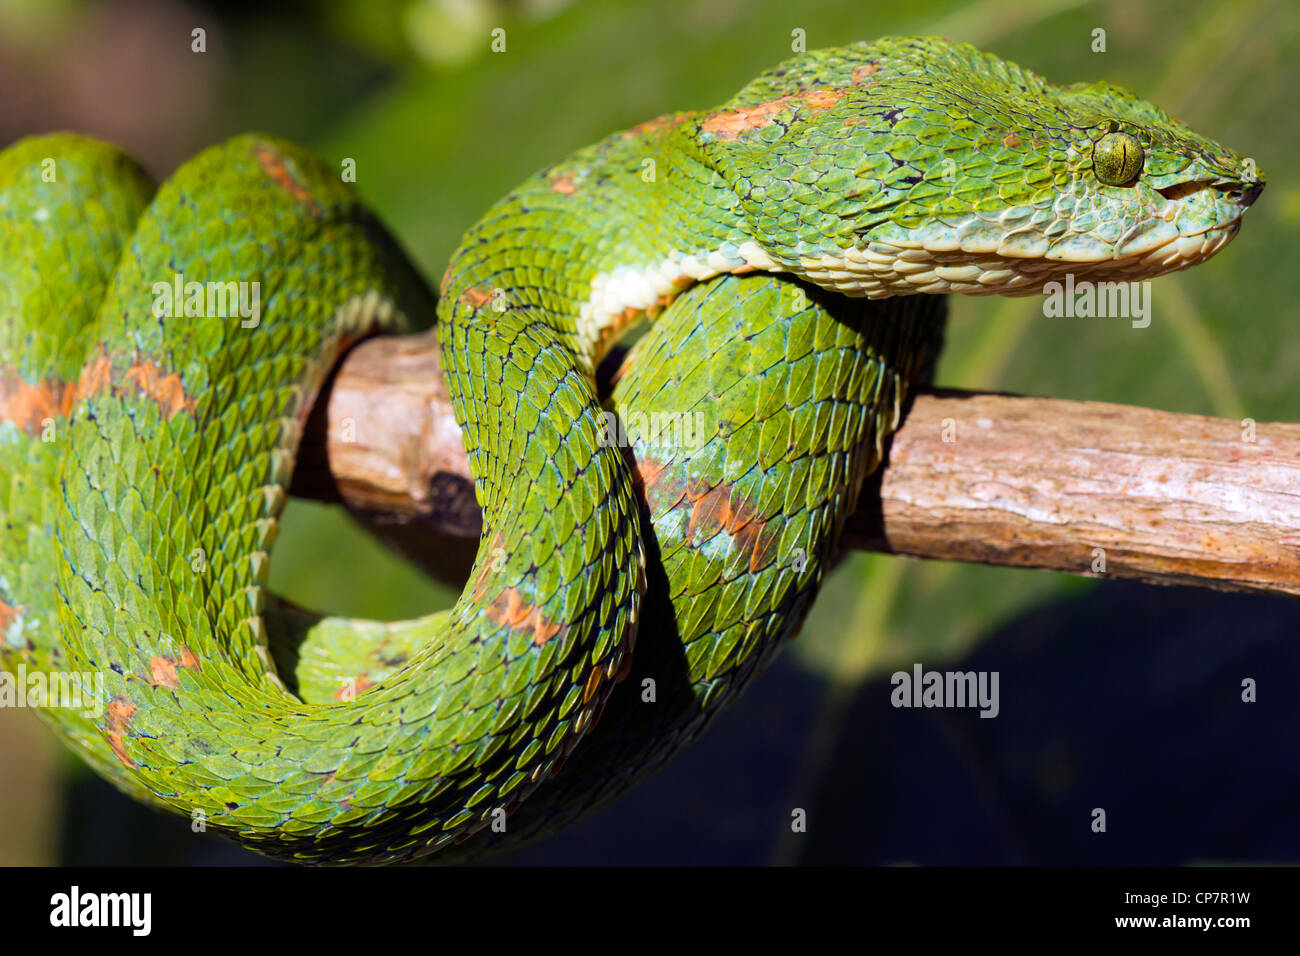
{"x": 1180, "y": 187}
{"x": 916, "y": 165}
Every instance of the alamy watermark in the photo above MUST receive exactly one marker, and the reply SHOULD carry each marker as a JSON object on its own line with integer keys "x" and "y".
{"x": 212, "y": 300}
{"x": 1102, "y": 300}
{"x": 677, "y": 430}
{"x": 132, "y": 911}
{"x": 956, "y": 689}
{"x": 60, "y": 690}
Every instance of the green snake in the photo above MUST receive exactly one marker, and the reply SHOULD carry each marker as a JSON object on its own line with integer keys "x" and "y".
{"x": 636, "y": 570}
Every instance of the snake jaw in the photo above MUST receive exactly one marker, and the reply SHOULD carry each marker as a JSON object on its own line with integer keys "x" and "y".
{"x": 1017, "y": 250}
{"x": 1113, "y": 234}
{"x": 1017, "y": 264}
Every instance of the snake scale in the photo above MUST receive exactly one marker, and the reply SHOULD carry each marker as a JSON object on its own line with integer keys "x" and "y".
{"x": 793, "y": 246}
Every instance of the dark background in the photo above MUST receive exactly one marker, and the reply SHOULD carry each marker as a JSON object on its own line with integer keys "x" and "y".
{"x": 1113, "y": 695}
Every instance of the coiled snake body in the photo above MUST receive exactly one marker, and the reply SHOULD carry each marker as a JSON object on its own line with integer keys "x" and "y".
{"x": 629, "y": 580}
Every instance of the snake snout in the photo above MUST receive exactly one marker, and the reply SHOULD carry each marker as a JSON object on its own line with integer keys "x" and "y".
{"x": 1247, "y": 193}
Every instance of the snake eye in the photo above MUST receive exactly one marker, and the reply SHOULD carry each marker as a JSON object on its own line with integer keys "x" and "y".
{"x": 1117, "y": 159}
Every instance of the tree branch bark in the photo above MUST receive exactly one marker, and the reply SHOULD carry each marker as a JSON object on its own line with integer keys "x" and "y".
{"x": 1084, "y": 487}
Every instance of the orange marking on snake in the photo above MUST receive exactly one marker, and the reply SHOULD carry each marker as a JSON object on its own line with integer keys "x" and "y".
{"x": 661, "y": 486}
{"x": 28, "y": 406}
{"x": 860, "y": 73}
{"x": 7, "y": 614}
{"x": 120, "y": 711}
{"x": 95, "y": 379}
{"x": 511, "y": 610}
{"x": 162, "y": 669}
{"x": 720, "y": 508}
{"x": 162, "y": 673}
{"x": 475, "y": 297}
{"x": 564, "y": 185}
{"x": 714, "y": 508}
{"x": 729, "y": 124}
{"x": 648, "y": 471}
{"x": 1011, "y": 140}
{"x": 360, "y": 684}
{"x": 446, "y": 280}
{"x": 165, "y": 389}
{"x": 656, "y": 125}
{"x": 274, "y": 166}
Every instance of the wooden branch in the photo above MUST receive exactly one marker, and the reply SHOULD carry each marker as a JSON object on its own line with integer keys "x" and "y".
{"x": 1084, "y": 487}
